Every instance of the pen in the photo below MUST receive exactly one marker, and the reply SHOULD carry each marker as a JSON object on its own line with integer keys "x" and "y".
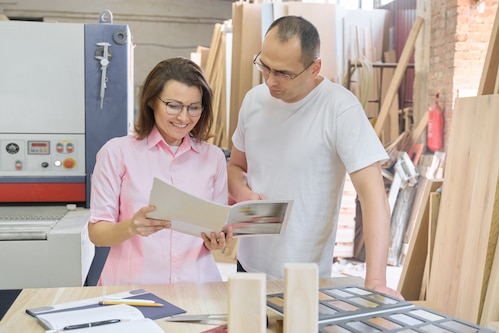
{"x": 135, "y": 300}
{"x": 131, "y": 302}
{"x": 96, "y": 323}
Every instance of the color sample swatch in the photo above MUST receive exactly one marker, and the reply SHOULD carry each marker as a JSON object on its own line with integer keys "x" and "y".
{"x": 354, "y": 309}
{"x": 347, "y": 301}
{"x": 408, "y": 320}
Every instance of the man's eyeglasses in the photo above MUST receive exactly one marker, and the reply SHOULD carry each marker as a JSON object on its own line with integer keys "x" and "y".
{"x": 266, "y": 70}
{"x": 174, "y": 108}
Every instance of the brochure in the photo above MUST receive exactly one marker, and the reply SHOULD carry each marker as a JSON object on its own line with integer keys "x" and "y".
{"x": 193, "y": 215}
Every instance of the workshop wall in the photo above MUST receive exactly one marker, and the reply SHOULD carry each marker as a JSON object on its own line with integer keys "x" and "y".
{"x": 460, "y": 33}
{"x": 160, "y": 28}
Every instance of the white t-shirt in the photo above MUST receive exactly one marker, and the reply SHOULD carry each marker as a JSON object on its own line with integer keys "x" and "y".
{"x": 302, "y": 151}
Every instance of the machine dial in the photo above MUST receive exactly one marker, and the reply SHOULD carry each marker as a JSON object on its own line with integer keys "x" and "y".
{"x": 12, "y": 148}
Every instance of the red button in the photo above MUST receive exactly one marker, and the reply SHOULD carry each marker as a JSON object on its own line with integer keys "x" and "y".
{"x": 69, "y": 163}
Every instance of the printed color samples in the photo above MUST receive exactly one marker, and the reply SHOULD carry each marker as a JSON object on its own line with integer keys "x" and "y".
{"x": 354, "y": 309}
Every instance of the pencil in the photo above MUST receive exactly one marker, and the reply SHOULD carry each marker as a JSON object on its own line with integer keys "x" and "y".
{"x": 129, "y": 303}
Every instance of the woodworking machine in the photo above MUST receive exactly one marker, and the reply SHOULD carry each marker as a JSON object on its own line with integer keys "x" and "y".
{"x": 65, "y": 89}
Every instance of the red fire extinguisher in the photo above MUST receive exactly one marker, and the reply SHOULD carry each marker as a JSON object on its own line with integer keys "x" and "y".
{"x": 435, "y": 125}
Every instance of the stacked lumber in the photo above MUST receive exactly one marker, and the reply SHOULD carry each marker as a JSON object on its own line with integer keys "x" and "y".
{"x": 464, "y": 270}
{"x": 246, "y": 42}
{"x": 213, "y": 62}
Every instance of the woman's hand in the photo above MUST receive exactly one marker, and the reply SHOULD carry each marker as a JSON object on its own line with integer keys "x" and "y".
{"x": 143, "y": 226}
{"x": 217, "y": 241}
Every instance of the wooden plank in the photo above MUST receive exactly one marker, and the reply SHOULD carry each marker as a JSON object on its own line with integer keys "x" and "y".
{"x": 399, "y": 74}
{"x": 490, "y": 312}
{"x": 496, "y": 89}
{"x": 490, "y": 288}
{"x": 245, "y": 18}
{"x": 247, "y": 303}
{"x": 391, "y": 128}
{"x": 215, "y": 72}
{"x": 301, "y": 300}
{"x": 214, "y": 53}
{"x": 489, "y": 80}
{"x": 423, "y": 123}
{"x": 432, "y": 228}
{"x": 399, "y": 220}
{"x": 459, "y": 265}
{"x": 416, "y": 238}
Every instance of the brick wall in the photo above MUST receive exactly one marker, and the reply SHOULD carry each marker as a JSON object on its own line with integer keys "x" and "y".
{"x": 459, "y": 36}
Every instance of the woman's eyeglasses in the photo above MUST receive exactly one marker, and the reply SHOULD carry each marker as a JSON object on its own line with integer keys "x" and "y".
{"x": 174, "y": 108}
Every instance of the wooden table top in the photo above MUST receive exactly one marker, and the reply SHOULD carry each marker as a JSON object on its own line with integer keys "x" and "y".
{"x": 195, "y": 298}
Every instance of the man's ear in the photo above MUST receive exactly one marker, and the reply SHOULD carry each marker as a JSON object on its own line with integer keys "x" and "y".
{"x": 316, "y": 67}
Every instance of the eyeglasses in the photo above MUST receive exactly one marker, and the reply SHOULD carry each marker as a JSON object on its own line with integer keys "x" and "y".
{"x": 266, "y": 70}
{"x": 174, "y": 108}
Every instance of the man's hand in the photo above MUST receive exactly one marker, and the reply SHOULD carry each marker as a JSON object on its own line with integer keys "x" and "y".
{"x": 387, "y": 290}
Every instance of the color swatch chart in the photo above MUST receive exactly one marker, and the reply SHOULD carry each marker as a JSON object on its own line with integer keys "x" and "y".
{"x": 354, "y": 309}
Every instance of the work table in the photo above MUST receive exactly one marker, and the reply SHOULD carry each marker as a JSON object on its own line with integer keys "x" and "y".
{"x": 206, "y": 298}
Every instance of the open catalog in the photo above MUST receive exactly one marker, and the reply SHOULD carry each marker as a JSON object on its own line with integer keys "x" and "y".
{"x": 193, "y": 215}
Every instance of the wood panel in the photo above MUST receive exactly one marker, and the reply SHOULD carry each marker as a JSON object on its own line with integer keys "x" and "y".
{"x": 432, "y": 229}
{"x": 489, "y": 82}
{"x": 416, "y": 238}
{"x": 459, "y": 264}
{"x": 490, "y": 311}
{"x": 246, "y": 17}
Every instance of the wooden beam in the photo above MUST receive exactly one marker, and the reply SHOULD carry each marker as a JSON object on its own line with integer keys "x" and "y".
{"x": 301, "y": 298}
{"x": 488, "y": 81}
{"x": 416, "y": 238}
{"x": 432, "y": 229}
{"x": 423, "y": 122}
{"x": 398, "y": 75}
{"x": 247, "y": 303}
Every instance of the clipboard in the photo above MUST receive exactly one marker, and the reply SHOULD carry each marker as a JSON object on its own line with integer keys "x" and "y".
{"x": 168, "y": 309}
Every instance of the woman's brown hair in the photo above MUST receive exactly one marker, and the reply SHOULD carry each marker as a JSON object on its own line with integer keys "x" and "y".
{"x": 184, "y": 71}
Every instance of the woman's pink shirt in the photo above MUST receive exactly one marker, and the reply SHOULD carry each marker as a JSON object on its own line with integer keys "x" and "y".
{"x": 121, "y": 185}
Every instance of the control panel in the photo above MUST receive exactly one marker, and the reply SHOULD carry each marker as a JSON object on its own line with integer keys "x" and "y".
{"x": 42, "y": 155}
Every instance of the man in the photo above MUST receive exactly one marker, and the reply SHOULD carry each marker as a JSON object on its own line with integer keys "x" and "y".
{"x": 297, "y": 136}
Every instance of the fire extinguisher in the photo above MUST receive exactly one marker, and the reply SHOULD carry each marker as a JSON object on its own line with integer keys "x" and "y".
{"x": 435, "y": 125}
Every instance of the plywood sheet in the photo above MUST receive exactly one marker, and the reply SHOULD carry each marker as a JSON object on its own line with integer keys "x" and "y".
{"x": 459, "y": 263}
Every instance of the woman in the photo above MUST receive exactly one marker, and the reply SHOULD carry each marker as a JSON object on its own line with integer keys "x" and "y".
{"x": 174, "y": 121}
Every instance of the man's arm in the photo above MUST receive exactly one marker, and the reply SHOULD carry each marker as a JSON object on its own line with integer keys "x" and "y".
{"x": 368, "y": 183}
{"x": 236, "y": 172}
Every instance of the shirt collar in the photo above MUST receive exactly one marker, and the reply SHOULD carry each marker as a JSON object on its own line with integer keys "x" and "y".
{"x": 188, "y": 143}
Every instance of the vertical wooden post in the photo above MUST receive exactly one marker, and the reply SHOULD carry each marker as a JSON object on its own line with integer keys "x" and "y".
{"x": 247, "y": 303}
{"x": 301, "y": 298}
